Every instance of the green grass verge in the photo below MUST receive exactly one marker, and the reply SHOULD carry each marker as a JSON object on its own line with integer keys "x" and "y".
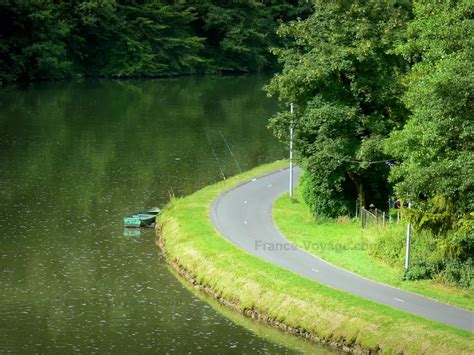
{"x": 192, "y": 242}
{"x": 345, "y": 245}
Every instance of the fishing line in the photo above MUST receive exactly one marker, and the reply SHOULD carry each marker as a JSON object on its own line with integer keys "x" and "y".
{"x": 232, "y": 154}
{"x": 214, "y": 153}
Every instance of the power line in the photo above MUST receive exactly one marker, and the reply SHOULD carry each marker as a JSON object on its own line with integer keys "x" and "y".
{"x": 368, "y": 162}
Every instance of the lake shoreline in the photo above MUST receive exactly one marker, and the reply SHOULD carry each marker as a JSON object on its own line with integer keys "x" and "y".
{"x": 254, "y": 314}
{"x": 218, "y": 73}
{"x": 195, "y": 250}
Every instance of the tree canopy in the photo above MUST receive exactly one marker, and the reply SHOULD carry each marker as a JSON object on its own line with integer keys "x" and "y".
{"x": 385, "y": 95}
{"x": 436, "y": 146}
{"x": 339, "y": 71}
{"x": 114, "y": 38}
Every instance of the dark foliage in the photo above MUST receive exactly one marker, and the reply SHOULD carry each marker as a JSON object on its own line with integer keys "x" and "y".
{"x": 119, "y": 38}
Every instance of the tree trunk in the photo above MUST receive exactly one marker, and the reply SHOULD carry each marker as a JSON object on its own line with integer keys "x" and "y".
{"x": 357, "y": 180}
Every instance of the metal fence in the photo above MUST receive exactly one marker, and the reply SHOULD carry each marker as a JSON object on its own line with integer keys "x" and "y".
{"x": 376, "y": 217}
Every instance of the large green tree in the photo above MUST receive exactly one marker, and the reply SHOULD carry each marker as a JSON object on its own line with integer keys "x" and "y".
{"x": 436, "y": 146}
{"x": 341, "y": 74}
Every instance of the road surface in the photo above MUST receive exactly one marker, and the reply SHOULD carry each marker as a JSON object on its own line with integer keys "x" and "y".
{"x": 243, "y": 215}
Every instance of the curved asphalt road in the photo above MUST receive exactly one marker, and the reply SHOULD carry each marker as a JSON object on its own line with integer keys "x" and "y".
{"x": 243, "y": 216}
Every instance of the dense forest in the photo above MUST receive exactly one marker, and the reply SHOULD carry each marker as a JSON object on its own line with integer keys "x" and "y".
{"x": 384, "y": 94}
{"x": 46, "y": 39}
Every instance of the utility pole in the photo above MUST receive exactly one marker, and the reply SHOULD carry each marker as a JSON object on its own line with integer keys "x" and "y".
{"x": 291, "y": 152}
{"x": 407, "y": 251}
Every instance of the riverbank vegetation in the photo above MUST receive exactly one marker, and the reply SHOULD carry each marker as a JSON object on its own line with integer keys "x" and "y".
{"x": 120, "y": 38}
{"x": 384, "y": 99}
{"x": 286, "y": 300}
{"x": 375, "y": 252}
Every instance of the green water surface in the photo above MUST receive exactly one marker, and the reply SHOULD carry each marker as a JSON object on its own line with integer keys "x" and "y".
{"x": 74, "y": 159}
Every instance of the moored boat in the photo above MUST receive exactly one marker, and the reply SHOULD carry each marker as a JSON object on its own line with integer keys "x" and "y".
{"x": 142, "y": 219}
{"x": 154, "y": 210}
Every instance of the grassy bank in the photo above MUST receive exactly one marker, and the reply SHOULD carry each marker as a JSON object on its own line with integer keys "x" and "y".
{"x": 261, "y": 329}
{"x": 345, "y": 244}
{"x": 284, "y": 299}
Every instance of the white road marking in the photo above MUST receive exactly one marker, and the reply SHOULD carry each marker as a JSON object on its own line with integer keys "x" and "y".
{"x": 269, "y": 185}
{"x": 399, "y": 300}
{"x": 315, "y": 270}
{"x": 254, "y": 179}
{"x": 245, "y": 222}
{"x": 245, "y": 201}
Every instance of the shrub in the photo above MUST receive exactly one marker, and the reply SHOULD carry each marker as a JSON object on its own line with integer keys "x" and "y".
{"x": 422, "y": 270}
{"x": 458, "y": 273}
{"x": 445, "y": 258}
{"x": 389, "y": 246}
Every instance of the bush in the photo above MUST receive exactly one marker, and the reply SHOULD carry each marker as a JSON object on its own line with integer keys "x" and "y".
{"x": 446, "y": 258}
{"x": 420, "y": 271}
{"x": 323, "y": 200}
{"x": 458, "y": 273}
{"x": 389, "y": 246}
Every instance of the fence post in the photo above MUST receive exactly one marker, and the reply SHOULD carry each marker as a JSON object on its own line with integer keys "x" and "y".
{"x": 383, "y": 219}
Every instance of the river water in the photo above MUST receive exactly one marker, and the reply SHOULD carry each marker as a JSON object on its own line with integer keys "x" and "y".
{"x": 74, "y": 159}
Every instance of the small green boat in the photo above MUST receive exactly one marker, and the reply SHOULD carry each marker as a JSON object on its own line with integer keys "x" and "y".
{"x": 142, "y": 219}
